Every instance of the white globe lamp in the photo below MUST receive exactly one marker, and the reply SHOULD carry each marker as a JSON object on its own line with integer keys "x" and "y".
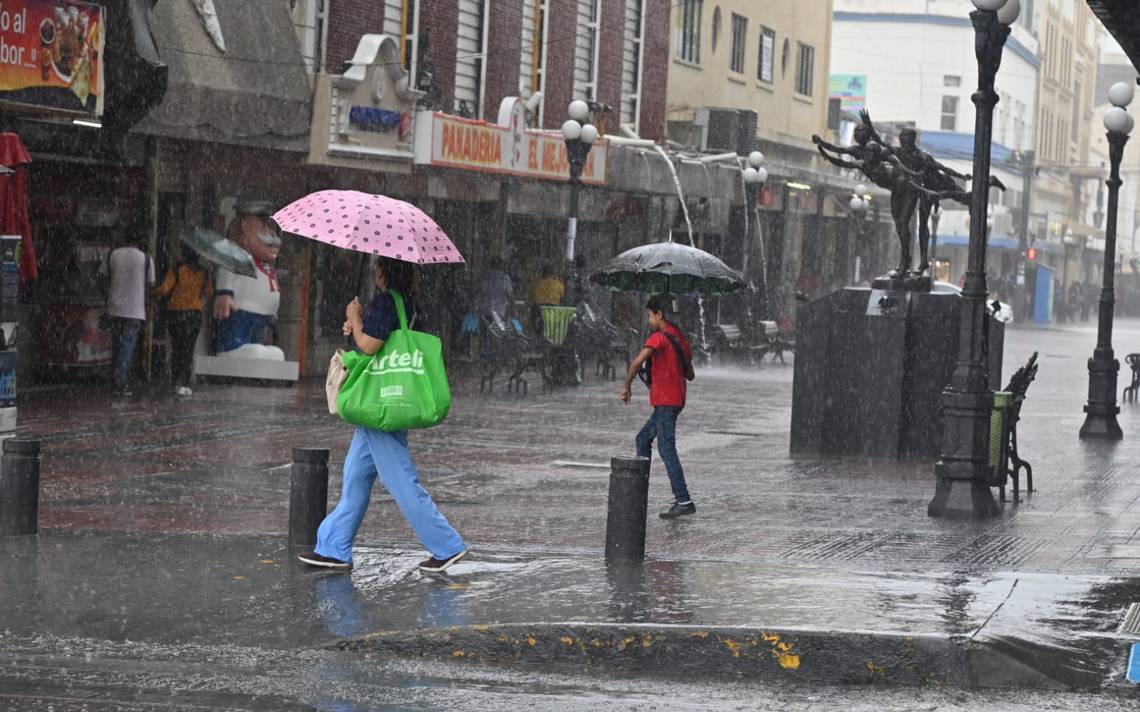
{"x": 1116, "y": 120}
{"x": 571, "y": 130}
{"x": 755, "y": 159}
{"x": 579, "y": 110}
{"x": 1007, "y": 14}
{"x": 589, "y": 134}
{"x": 1121, "y": 93}
{"x": 751, "y": 175}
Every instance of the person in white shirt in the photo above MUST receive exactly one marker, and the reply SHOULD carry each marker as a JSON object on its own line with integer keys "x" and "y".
{"x": 131, "y": 274}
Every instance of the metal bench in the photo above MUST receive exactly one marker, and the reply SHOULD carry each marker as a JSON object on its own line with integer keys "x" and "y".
{"x": 1133, "y": 361}
{"x": 1004, "y": 458}
{"x": 505, "y": 349}
{"x": 751, "y": 340}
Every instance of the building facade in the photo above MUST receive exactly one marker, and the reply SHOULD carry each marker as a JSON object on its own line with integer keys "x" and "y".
{"x": 747, "y": 76}
{"x": 917, "y": 64}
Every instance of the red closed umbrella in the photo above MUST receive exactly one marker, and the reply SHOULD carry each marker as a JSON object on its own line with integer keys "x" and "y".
{"x": 14, "y": 201}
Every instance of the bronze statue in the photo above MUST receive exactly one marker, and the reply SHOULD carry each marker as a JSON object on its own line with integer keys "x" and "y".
{"x": 878, "y": 162}
{"x": 939, "y": 180}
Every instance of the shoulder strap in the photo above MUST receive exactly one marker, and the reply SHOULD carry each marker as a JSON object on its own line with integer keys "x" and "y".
{"x": 399, "y": 300}
{"x": 686, "y": 366}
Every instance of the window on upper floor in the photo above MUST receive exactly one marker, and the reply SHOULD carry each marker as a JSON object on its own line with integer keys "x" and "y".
{"x": 631, "y": 61}
{"x": 739, "y": 42}
{"x": 470, "y": 58}
{"x": 586, "y": 49}
{"x": 689, "y": 30}
{"x": 1078, "y": 97}
{"x": 532, "y": 54}
{"x": 400, "y": 19}
{"x": 951, "y": 80}
{"x": 805, "y": 69}
{"x": 949, "y": 113}
{"x": 766, "y": 65}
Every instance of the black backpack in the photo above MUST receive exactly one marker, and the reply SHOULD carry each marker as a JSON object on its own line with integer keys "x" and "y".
{"x": 645, "y": 373}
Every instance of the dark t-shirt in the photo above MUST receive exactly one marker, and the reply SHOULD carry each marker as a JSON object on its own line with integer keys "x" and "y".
{"x": 669, "y": 386}
{"x": 381, "y": 318}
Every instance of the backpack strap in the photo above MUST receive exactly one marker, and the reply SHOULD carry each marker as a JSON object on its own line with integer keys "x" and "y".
{"x": 686, "y": 365}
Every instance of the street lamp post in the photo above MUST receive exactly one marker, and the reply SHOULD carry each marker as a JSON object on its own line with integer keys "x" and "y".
{"x": 1101, "y": 409}
{"x": 755, "y": 176}
{"x": 580, "y": 136}
{"x": 857, "y": 209}
{"x": 963, "y": 472}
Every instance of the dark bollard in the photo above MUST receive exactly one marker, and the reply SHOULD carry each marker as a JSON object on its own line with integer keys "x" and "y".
{"x": 308, "y": 494}
{"x": 20, "y": 487}
{"x": 629, "y": 501}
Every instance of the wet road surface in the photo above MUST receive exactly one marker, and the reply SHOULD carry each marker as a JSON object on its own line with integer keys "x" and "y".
{"x": 163, "y": 521}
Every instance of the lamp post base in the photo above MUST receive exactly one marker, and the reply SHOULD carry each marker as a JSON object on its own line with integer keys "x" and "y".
{"x": 970, "y": 499}
{"x": 1101, "y": 409}
{"x": 1100, "y": 424}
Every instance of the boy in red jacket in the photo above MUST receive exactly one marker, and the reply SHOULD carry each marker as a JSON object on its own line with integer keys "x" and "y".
{"x": 671, "y": 367}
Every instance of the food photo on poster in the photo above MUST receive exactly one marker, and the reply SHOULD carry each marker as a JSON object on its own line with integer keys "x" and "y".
{"x": 51, "y": 55}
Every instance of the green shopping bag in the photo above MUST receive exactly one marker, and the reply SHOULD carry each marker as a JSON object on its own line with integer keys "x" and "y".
{"x": 403, "y": 387}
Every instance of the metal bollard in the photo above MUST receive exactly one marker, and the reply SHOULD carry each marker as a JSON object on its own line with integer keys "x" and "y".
{"x": 628, "y": 503}
{"x": 20, "y": 487}
{"x": 308, "y": 494}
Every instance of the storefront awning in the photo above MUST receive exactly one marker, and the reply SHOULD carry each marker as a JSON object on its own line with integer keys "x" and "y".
{"x": 255, "y": 93}
{"x": 996, "y": 242}
{"x": 1121, "y": 19}
{"x": 135, "y": 72}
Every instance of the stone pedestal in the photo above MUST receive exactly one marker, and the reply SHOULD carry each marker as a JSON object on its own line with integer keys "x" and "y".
{"x": 871, "y": 365}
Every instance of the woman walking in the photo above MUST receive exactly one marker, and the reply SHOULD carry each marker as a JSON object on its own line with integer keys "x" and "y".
{"x": 187, "y": 287}
{"x": 377, "y": 453}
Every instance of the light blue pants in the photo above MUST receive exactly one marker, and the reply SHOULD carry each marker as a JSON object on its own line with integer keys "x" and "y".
{"x": 375, "y": 452}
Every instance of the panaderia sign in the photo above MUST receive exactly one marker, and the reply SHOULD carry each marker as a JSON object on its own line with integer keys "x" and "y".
{"x": 51, "y": 55}
{"x": 508, "y": 147}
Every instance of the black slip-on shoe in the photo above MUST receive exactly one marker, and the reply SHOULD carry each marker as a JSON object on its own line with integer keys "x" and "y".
{"x": 679, "y": 510}
{"x": 438, "y": 566}
{"x": 312, "y": 558}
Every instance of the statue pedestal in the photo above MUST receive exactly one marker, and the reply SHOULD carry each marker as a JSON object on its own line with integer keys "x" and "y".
{"x": 870, "y": 368}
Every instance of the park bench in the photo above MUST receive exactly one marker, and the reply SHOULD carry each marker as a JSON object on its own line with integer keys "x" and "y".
{"x": 751, "y": 340}
{"x": 506, "y": 349}
{"x": 1004, "y": 458}
{"x": 602, "y": 341}
{"x": 1133, "y": 361}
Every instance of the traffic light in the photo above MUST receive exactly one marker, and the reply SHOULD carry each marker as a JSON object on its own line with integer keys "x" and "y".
{"x": 1032, "y": 254}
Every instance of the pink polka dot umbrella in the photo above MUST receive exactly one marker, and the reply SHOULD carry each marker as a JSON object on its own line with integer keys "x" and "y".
{"x": 372, "y": 224}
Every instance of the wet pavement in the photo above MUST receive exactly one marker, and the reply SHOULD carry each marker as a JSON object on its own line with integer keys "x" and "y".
{"x": 163, "y": 521}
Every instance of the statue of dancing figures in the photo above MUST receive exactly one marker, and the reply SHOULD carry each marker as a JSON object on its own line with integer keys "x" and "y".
{"x": 885, "y": 170}
{"x": 936, "y": 177}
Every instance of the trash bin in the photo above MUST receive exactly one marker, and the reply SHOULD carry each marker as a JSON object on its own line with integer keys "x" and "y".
{"x": 999, "y": 435}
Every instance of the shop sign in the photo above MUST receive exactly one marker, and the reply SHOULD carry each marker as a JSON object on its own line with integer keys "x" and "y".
{"x": 508, "y": 147}
{"x": 363, "y": 117}
{"x": 51, "y": 55}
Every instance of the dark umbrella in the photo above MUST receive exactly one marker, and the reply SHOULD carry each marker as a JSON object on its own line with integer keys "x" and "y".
{"x": 217, "y": 250}
{"x": 668, "y": 268}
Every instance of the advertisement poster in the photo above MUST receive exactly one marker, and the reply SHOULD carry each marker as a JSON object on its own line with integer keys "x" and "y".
{"x": 51, "y": 55}
{"x": 851, "y": 90}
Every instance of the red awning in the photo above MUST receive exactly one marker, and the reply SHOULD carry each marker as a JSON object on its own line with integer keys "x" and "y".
{"x": 14, "y": 201}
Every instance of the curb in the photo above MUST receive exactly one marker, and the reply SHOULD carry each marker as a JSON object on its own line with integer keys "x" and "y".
{"x": 834, "y": 657}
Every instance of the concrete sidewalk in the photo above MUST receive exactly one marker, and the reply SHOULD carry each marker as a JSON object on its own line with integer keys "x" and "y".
{"x": 164, "y": 519}
{"x": 699, "y": 618}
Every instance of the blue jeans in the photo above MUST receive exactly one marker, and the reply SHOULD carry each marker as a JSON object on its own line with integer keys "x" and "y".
{"x": 662, "y": 426}
{"x": 125, "y": 333}
{"x": 373, "y": 453}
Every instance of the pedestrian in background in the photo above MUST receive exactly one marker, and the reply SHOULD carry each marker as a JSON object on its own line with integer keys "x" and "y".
{"x": 498, "y": 291}
{"x": 130, "y": 274}
{"x": 186, "y": 290}
{"x": 377, "y": 453}
{"x": 669, "y": 371}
